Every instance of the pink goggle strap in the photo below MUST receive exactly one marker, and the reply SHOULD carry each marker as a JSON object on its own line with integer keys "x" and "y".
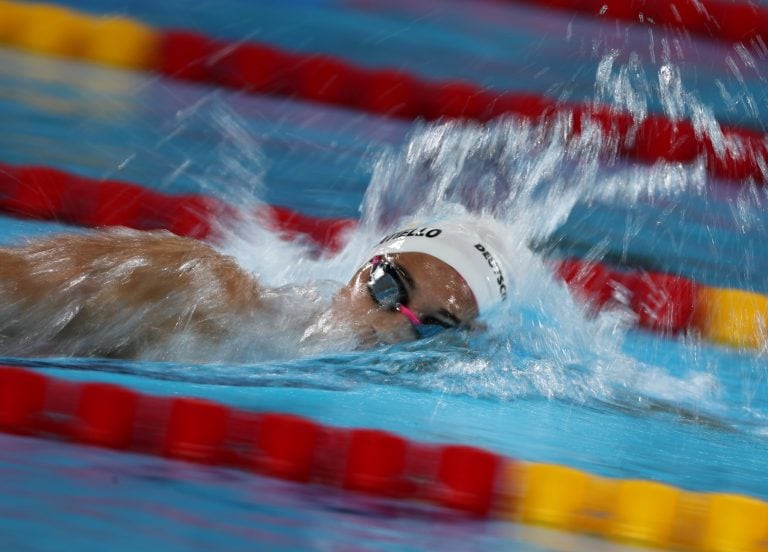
{"x": 409, "y": 314}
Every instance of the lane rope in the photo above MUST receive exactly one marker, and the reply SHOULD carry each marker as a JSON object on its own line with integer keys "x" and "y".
{"x": 662, "y": 303}
{"x": 465, "y": 479}
{"x": 738, "y": 154}
{"x": 46, "y": 193}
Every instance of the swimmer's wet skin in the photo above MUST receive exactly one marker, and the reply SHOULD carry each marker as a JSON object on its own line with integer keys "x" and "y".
{"x": 125, "y": 293}
{"x": 117, "y": 293}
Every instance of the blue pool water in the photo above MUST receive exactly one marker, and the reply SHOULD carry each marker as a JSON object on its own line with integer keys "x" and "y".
{"x": 545, "y": 383}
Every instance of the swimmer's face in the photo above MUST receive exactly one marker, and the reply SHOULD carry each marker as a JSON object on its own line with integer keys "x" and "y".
{"x": 436, "y": 294}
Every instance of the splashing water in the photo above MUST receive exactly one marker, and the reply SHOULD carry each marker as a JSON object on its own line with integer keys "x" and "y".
{"x": 530, "y": 179}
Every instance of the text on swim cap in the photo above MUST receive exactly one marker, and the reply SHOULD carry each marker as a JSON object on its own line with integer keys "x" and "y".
{"x": 496, "y": 269}
{"x": 413, "y": 233}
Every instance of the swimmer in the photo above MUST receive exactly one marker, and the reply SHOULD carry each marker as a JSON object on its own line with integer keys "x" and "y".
{"x": 119, "y": 292}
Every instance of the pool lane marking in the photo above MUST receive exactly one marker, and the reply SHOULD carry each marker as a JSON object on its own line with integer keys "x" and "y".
{"x": 465, "y": 479}
{"x": 739, "y": 154}
{"x": 662, "y": 303}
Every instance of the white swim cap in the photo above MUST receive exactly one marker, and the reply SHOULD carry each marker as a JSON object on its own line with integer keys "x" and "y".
{"x": 470, "y": 245}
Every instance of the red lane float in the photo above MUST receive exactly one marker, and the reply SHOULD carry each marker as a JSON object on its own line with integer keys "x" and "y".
{"x": 661, "y": 302}
{"x": 725, "y": 21}
{"x": 105, "y": 415}
{"x": 287, "y": 459}
{"x": 22, "y": 396}
{"x": 460, "y": 478}
{"x": 376, "y": 463}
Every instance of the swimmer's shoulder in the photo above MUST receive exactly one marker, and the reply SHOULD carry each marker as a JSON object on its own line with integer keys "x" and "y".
{"x": 136, "y": 255}
{"x": 116, "y": 244}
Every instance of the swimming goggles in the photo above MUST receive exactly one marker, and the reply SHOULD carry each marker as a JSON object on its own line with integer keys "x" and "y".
{"x": 388, "y": 291}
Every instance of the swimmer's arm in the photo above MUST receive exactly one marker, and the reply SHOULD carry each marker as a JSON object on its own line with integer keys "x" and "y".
{"x": 129, "y": 288}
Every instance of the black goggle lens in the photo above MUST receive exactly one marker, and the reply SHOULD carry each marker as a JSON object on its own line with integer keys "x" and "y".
{"x": 386, "y": 286}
